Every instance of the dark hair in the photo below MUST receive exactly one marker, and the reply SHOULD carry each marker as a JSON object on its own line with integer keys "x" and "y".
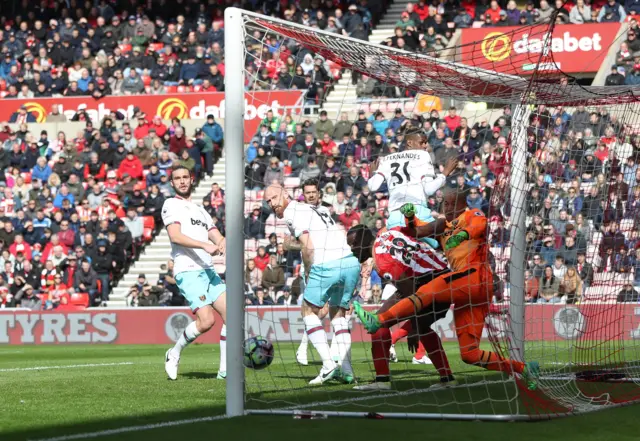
{"x": 177, "y": 167}
{"x": 311, "y": 183}
{"x": 363, "y": 238}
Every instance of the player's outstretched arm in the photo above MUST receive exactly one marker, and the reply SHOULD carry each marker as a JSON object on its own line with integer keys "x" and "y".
{"x": 176, "y": 236}
{"x": 417, "y": 228}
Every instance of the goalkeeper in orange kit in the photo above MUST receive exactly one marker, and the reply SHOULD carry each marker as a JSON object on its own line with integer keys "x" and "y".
{"x": 462, "y": 234}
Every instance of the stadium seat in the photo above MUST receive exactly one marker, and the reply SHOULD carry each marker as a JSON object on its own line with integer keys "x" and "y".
{"x": 171, "y": 89}
{"x": 26, "y": 176}
{"x": 79, "y": 299}
{"x": 125, "y": 48}
{"x": 291, "y": 183}
{"x": 146, "y": 80}
{"x": 149, "y": 222}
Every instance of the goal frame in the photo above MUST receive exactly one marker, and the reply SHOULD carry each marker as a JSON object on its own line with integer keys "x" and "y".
{"x": 234, "y": 188}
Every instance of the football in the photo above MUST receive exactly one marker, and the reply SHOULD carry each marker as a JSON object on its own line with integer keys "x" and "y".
{"x": 258, "y": 353}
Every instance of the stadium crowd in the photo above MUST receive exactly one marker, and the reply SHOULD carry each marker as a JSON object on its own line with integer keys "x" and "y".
{"x": 113, "y": 47}
{"x": 583, "y": 205}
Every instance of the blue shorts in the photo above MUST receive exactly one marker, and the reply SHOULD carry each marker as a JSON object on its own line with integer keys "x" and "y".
{"x": 333, "y": 282}
{"x": 200, "y": 287}
{"x": 396, "y": 219}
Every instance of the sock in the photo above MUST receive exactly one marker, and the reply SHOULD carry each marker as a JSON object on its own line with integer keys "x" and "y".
{"x": 472, "y": 354}
{"x": 388, "y": 291}
{"x": 349, "y": 317}
{"x": 304, "y": 344}
{"x": 333, "y": 349}
{"x": 342, "y": 339}
{"x": 189, "y": 335}
{"x": 223, "y": 349}
{"x": 380, "y": 344}
{"x": 401, "y": 332}
{"x": 433, "y": 346}
{"x": 421, "y": 351}
{"x": 318, "y": 338}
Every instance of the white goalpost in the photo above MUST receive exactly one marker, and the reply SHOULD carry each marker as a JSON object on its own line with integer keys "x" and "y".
{"x": 581, "y": 335}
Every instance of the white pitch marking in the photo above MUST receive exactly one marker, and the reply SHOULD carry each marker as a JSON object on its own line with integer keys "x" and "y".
{"x": 132, "y": 429}
{"x": 71, "y": 366}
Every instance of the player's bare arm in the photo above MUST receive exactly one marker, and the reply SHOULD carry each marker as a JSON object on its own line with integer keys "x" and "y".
{"x": 218, "y": 239}
{"x": 176, "y": 237}
{"x": 307, "y": 252}
{"x": 290, "y": 244}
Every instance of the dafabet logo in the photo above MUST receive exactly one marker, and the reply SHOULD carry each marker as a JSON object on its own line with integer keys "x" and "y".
{"x": 36, "y": 110}
{"x": 173, "y": 108}
{"x": 496, "y": 46}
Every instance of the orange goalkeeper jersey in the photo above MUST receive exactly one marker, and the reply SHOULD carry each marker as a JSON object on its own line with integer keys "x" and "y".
{"x": 472, "y": 251}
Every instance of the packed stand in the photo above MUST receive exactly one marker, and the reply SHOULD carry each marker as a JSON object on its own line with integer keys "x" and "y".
{"x": 583, "y": 203}
{"x": 77, "y": 209}
{"x": 162, "y": 47}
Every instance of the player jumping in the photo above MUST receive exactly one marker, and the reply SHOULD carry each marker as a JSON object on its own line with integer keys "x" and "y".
{"x": 409, "y": 264}
{"x": 463, "y": 236}
{"x": 332, "y": 273}
{"x": 194, "y": 239}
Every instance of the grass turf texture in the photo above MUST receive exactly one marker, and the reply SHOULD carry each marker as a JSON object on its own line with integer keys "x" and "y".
{"x": 55, "y": 402}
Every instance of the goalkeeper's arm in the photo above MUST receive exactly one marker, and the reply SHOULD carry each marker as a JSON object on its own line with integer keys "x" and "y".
{"x": 418, "y": 229}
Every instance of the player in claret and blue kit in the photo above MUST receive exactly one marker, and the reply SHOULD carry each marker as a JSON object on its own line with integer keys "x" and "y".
{"x": 194, "y": 239}
{"x": 332, "y": 273}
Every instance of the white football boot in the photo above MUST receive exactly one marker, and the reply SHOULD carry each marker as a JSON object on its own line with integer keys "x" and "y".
{"x": 171, "y": 363}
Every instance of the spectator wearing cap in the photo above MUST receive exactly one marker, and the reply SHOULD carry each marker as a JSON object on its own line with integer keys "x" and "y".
{"x": 370, "y": 216}
{"x": 254, "y": 224}
{"x": 323, "y": 125}
{"x": 615, "y": 78}
{"x": 612, "y": 12}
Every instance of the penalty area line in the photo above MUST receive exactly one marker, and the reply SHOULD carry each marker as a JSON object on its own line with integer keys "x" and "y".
{"x": 132, "y": 429}
{"x": 70, "y": 366}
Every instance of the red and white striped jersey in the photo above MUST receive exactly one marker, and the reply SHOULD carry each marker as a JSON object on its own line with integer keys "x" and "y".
{"x": 398, "y": 256}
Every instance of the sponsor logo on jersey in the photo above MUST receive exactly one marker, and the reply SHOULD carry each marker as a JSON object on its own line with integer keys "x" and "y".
{"x": 198, "y": 222}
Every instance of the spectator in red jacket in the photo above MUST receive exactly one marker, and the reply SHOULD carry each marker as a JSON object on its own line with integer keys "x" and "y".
{"x": 48, "y": 249}
{"x": 131, "y": 166}
{"x": 20, "y": 246}
{"x": 452, "y": 119}
{"x": 178, "y": 142}
{"x": 349, "y": 215}
{"x": 159, "y": 126}
{"x": 66, "y": 235}
{"x": 143, "y": 127}
{"x": 262, "y": 259}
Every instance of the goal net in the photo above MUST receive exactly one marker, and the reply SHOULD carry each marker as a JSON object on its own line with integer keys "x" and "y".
{"x": 550, "y": 162}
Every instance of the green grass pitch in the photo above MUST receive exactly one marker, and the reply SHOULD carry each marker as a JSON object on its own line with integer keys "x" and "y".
{"x": 125, "y": 386}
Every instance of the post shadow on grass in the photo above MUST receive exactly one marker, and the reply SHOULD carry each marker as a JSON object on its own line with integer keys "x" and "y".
{"x": 110, "y": 424}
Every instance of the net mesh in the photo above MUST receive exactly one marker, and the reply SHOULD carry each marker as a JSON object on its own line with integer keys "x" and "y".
{"x": 546, "y": 158}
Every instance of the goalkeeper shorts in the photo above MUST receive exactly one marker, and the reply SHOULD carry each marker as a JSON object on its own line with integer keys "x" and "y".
{"x": 333, "y": 282}
{"x": 200, "y": 287}
{"x": 397, "y": 219}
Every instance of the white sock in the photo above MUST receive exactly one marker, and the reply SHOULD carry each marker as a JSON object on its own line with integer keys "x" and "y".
{"x": 318, "y": 338}
{"x": 223, "y": 349}
{"x": 304, "y": 344}
{"x": 188, "y": 336}
{"x": 333, "y": 349}
{"x": 388, "y": 291}
{"x": 349, "y": 317}
{"x": 342, "y": 338}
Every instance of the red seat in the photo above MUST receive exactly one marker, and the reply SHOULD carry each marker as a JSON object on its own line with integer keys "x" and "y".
{"x": 149, "y": 222}
{"x": 171, "y": 89}
{"x": 147, "y": 234}
{"x": 125, "y": 48}
{"x": 99, "y": 285}
{"x": 120, "y": 212}
{"x": 79, "y": 299}
{"x": 27, "y": 177}
{"x": 146, "y": 80}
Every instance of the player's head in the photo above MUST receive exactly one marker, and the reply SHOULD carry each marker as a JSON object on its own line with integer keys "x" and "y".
{"x": 360, "y": 240}
{"x": 416, "y": 140}
{"x": 454, "y": 203}
{"x": 311, "y": 191}
{"x": 182, "y": 181}
{"x": 277, "y": 199}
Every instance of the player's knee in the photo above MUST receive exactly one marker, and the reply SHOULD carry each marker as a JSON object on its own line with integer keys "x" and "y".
{"x": 205, "y": 322}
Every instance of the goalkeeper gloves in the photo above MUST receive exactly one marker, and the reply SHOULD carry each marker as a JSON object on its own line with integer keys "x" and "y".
{"x": 456, "y": 240}
{"x": 408, "y": 210}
